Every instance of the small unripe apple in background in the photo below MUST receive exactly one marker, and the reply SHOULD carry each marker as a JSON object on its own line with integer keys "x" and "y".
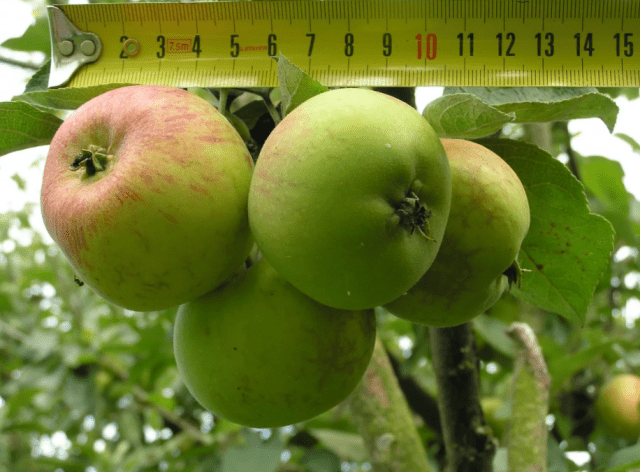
{"x": 145, "y": 190}
{"x": 618, "y": 406}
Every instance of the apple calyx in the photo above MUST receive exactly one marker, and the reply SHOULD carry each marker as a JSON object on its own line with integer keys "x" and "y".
{"x": 94, "y": 159}
{"x": 414, "y": 215}
{"x": 514, "y": 274}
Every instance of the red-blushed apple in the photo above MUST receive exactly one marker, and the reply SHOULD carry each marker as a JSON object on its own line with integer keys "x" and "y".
{"x": 145, "y": 190}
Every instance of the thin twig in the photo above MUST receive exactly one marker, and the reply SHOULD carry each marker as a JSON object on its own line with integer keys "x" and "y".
{"x": 15, "y": 62}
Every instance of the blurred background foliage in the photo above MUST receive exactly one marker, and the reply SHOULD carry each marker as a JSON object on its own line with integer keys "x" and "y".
{"x": 86, "y": 386}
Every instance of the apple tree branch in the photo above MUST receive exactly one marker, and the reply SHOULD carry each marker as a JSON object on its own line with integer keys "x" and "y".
{"x": 382, "y": 415}
{"x": 469, "y": 443}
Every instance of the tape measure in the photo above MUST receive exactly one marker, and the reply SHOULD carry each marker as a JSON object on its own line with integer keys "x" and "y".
{"x": 349, "y": 43}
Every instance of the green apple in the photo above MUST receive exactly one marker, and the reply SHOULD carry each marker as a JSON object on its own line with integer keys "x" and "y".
{"x": 618, "y": 406}
{"x": 350, "y": 198}
{"x": 488, "y": 221}
{"x": 260, "y": 353}
{"x": 145, "y": 191}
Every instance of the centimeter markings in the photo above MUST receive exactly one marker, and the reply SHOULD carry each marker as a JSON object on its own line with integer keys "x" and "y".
{"x": 367, "y": 42}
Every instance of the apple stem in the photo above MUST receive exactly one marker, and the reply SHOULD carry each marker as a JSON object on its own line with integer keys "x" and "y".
{"x": 414, "y": 215}
{"x": 94, "y": 159}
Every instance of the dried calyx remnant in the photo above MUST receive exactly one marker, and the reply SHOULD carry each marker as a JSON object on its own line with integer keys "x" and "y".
{"x": 514, "y": 274}
{"x": 94, "y": 159}
{"x": 414, "y": 215}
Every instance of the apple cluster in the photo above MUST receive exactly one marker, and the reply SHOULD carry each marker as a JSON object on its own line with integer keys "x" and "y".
{"x": 354, "y": 203}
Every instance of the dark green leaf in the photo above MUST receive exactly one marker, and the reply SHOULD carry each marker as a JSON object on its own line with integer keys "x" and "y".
{"x": 251, "y": 112}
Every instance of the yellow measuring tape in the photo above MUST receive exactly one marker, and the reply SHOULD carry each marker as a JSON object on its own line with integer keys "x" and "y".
{"x": 350, "y": 43}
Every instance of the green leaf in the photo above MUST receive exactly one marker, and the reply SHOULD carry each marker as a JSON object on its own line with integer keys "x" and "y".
{"x": 36, "y": 38}
{"x": 561, "y": 368}
{"x": 23, "y": 126}
{"x": 531, "y": 104}
{"x": 347, "y": 445}
{"x": 15, "y": 402}
{"x": 602, "y": 177}
{"x": 79, "y": 395}
{"x": 629, "y": 467}
{"x": 629, "y": 140}
{"x": 68, "y": 98}
{"x": 41, "y": 344}
{"x": 153, "y": 418}
{"x": 556, "y": 458}
{"x": 296, "y": 86}
{"x": 567, "y": 248}
{"x": 130, "y": 426}
{"x": 251, "y": 112}
{"x": 20, "y": 182}
{"x": 256, "y": 455}
{"x": 631, "y": 93}
{"x": 318, "y": 460}
{"x": 40, "y": 80}
{"x": 625, "y": 459}
{"x": 117, "y": 335}
{"x": 493, "y": 332}
{"x": 464, "y": 116}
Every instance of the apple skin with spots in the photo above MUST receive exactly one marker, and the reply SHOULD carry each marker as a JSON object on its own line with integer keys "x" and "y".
{"x": 260, "y": 353}
{"x": 488, "y": 221}
{"x": 333, "y": 188}
{"x": 145, "y": 191}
